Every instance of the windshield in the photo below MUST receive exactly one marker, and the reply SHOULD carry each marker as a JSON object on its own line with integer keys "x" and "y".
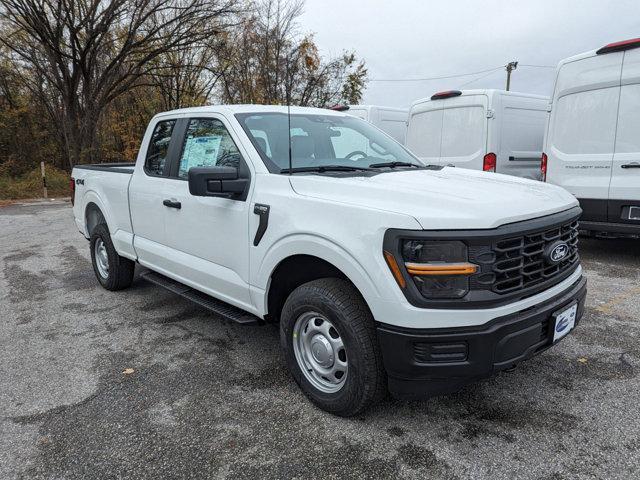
{"x": 322, "y": 141}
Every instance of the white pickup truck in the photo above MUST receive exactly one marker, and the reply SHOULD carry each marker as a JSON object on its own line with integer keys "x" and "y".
{"x": 384, "y": 274}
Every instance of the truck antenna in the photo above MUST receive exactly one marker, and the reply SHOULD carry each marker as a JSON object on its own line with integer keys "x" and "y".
{"x": 287, "y": 87}
{"x": 289, "y": 133}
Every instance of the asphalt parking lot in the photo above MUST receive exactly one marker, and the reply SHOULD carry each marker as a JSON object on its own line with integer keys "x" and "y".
{"x": 143, "y": 384}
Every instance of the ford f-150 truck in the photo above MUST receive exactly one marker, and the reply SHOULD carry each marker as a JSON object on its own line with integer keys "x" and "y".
{"x": 383, "y": 273}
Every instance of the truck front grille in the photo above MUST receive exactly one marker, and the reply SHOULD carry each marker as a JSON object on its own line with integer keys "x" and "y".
{"x": 520, "y": 263}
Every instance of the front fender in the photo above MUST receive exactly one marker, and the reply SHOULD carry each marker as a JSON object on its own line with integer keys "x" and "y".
{"x": 323, "y": 248}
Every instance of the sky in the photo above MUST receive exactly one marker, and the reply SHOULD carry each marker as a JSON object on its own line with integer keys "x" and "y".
{"x": 412, "y": 39}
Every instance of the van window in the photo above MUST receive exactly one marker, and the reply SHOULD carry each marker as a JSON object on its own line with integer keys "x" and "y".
{"x": 394, "y": 128}
{"x": 463, "y": 132}
{"x": 628, "y": 136}
{"x": 585, "y": 122}
{"x": 522, "y": 131}
{"x": 425, "y": 133}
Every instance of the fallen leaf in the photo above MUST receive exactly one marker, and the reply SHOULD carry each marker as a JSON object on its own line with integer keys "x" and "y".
{"x": 582, "y": 360}
{"x": 128, "y": 371}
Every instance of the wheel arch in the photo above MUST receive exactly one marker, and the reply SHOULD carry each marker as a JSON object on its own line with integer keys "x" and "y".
{"x": 301, "y": 260}
{"x": 95, "y": 211}
{"x": 93, "y": 216}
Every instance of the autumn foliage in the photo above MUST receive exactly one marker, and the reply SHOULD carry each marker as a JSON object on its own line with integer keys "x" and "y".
{"x": 80, "y": 79}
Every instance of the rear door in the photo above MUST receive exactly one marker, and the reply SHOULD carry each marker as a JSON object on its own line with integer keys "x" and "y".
{"x": 522, "y": 121}
{"x": 582, "y": 128}
{"x": 424, "y": 132}
{"x": 624, "y": 190}
{"x": 394, "y": 124}
{"x": 464, "y": 131}
{"x": 147, "y": 193}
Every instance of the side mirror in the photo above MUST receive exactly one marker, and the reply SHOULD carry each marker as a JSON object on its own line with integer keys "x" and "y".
{"x": 216, "y": 182}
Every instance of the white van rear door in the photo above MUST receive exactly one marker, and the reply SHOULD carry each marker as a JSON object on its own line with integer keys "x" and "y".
{"x": 522, "y": 121}
{"x": 393, "y": 123}
{"x": 424, "y": 132}
{"x": 624, "y": 191}
{"x": 464, "y": 131}
{"x": 582, "y": 130}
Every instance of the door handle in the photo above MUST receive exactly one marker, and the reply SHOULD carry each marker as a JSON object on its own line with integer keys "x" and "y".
{"x": 172, "y": 204}
{"x": 631, "y": 165}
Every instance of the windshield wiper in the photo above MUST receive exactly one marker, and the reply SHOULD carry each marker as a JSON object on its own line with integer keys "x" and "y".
{"x": 324, "y": 168}
{"x": 394, "y": 165}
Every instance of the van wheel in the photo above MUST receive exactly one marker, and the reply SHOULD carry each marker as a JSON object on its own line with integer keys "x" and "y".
{"x": 331, "y": 348}
{"x": 113, "y": 271}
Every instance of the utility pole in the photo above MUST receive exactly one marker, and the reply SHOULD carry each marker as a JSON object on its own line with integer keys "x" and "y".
{"x": 44, "y": 180}
{"x": 511, "y": 66}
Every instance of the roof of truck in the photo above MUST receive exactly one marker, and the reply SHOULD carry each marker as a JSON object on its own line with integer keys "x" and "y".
{"x": 233, "y": 109}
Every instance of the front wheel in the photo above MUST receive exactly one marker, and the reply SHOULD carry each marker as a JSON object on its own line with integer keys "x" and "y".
{"x": 113, "y": 271}
{"x": 330, "y": 344}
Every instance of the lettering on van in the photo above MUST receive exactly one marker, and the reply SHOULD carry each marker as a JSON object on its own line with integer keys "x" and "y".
{"x": 587, "y": 167}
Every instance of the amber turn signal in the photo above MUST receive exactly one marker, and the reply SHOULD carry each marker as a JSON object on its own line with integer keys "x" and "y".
{"x": 393, "y": 266}
{"x": 420, "y": 269}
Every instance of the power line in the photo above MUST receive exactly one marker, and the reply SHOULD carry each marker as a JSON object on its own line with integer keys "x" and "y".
{"x": 444, "y": 77}
{"x": 480, "y": 78}
{"x": 536, "y": 66}
{"x": 433, "y": 78}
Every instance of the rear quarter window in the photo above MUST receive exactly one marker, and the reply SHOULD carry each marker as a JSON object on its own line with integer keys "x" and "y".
{"x": 158, "y": 147}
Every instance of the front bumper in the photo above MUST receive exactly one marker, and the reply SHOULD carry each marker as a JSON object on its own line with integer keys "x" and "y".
{"x": 422, "y": 363}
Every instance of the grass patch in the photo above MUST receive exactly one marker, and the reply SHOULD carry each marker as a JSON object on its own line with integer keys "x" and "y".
{"x": 29, "y": 185}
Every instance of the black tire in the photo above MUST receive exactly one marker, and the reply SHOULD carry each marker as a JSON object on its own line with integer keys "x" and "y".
{"x": 340, "y": 302}
{"x": 120, "y": 274}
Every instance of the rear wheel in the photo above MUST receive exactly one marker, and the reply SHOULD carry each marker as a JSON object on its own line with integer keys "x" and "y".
{"x": 331, "y": 347}
{"x": 113, "y": 271}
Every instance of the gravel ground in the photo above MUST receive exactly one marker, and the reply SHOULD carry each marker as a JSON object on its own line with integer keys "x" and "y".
{"x": 206, "y": 398}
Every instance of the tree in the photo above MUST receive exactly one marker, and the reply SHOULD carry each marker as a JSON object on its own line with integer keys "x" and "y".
{"x": 186, "y": 78}
{"x": 265, "y": 60}
{"x": 78, "y": 56}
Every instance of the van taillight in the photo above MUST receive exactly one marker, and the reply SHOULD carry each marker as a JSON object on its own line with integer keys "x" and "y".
{"x": 447, "y": 94}
{"x": 72, "y": 184}
{"x": 619, "y": 46}
{"x": 489, "y": 162}
{"x": 543, "y": 167}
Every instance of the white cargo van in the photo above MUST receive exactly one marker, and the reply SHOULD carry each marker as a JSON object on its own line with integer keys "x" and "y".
{"x": 490, "y": 130}
{"x": 392, "y": 121}
{"x": 592, "y": 145}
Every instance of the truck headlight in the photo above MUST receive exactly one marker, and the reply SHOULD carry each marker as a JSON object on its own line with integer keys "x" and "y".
{"x": 439, "y": 269}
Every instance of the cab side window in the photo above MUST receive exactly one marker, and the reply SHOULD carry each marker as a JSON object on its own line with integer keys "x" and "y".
{"x": 158, "y": 147}
{"x": 207, "y": 143}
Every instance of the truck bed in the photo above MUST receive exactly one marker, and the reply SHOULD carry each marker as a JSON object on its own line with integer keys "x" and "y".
{"x": 105, "y": 186}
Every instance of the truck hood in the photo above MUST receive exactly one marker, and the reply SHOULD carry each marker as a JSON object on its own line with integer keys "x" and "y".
{"x": 451, "y": 198}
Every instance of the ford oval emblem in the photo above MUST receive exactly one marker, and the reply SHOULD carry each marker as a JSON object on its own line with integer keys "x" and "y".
{"x": 562, "y": 325}
{"x": 556, "y": 252}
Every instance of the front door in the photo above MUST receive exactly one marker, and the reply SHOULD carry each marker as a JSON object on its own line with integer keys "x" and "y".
{"x": 208, "y": 237}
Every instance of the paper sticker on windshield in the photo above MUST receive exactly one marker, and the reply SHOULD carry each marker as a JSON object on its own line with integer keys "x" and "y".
{"x": 200, "y": 152}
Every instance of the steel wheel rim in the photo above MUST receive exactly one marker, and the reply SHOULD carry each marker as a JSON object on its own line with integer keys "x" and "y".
{"x": 320, "y": 352}
{"x": 102, "y": 258}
